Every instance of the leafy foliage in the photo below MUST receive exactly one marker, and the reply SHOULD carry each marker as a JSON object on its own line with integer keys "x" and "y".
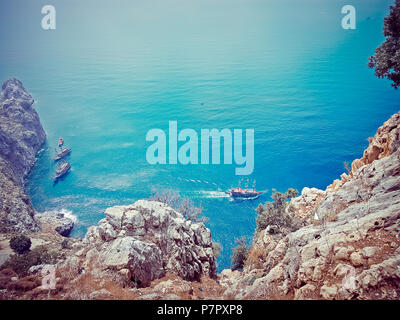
{"x": 216, "y": 247}
{"x": 275, "y": 213}
{"x": 21, "y": 263}
{"x": 386, "y": 61}
{"x": 239, "y": 254}
{"x": 20, "y": 244}
{"x": 183, "y": 205}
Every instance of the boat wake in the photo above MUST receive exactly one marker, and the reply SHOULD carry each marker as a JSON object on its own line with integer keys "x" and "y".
{"x": 197, "y": 181}
{"x": 211, "y": 194}
{"x": 245, "y": 198}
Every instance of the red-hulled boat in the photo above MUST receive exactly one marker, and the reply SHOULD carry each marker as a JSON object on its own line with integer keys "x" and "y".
{"x": 239, "y": 193}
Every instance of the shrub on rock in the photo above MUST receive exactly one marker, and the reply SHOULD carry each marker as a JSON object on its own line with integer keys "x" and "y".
{"x": 20, "y": 244}
{"x": 275, "y": 214}
{"x": 239, "y": 254}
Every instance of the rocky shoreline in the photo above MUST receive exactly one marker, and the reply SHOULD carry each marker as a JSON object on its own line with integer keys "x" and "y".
{"x": 348, "y": 245}
{"x": 21, "y": 137}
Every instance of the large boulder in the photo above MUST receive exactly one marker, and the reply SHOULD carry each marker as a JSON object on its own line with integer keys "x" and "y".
{"x": 56, "y": 221}
{"x": 149, "y": 238}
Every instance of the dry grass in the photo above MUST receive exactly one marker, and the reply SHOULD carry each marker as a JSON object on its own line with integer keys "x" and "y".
{"x": 25, "y": 284}
{"x": 316, "y": 222}
{"x": 331, "y": 217}
{"x": 84, "y": 285}
{"x": 255, "y": 257}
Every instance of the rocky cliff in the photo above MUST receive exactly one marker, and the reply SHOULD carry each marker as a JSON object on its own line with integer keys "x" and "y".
{"x": 144, "y": 241}
{"x": 21, "y": 136}
{"x": 350, "y": 247}
{"x": 131, "y": 247}
{"x": 146, "y": 250}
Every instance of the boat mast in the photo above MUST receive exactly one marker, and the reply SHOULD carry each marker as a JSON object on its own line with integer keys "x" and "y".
{"x": 254, "y": 185}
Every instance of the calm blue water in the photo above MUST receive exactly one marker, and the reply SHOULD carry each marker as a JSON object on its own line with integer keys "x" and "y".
{"x": 112, "y": 70}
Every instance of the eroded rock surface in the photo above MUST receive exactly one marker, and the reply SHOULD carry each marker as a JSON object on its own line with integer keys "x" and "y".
{"x": 21, "y": 136}
{"x": 351, "y": 251}
{"x": 145, "y": 240}
{"x": 56, "y": 221}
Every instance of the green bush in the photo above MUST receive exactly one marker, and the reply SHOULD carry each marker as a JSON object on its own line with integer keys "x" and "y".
{"x": 239, "y": 254}
{"x": 20, "y": 244}
{"x": 183, "y": 205}
{"x": 216, "y": 247}
{"x": 275, "y": 213}
{"x": 21, "y": 263}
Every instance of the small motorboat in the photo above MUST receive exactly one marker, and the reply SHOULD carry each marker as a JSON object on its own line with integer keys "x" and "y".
{"x": 60, "y": 142}
{"x": 63, "y": 153}
{"x": 62, "y": 170}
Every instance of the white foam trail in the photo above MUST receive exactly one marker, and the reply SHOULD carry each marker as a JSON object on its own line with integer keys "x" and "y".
{"x": 212, "y": 194}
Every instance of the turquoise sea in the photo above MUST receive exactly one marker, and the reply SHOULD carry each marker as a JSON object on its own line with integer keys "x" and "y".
{"x": 112, "y": 70}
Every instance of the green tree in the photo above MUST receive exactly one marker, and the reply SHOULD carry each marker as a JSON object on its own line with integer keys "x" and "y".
{"x": 239, "y": 254}
{"x": 386, "y": 60}
{"x": 216, "y": 248}
{"x": 183, "y": 205}
{"x": 20, "y": 244}
{"x": 275, "y": 213}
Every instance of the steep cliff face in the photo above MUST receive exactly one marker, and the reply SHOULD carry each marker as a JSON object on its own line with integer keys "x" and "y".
{"x": 351, "y": 250}
{"x": 348, "y": 247}
{"x": 21, "y": 133}
{"x": 21, "y": 136}
{"x": 146, "y": 250}
{"x": 144, "y": 241}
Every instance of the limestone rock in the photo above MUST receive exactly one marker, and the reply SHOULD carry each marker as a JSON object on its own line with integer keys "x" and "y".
{"x": 305, "y": 292}
{"x": 356, "y": 259}
{"x": 21, "y": 136}
{"x": 328, "y": 292}
{"x": 369, "y": 252}
{"x": 57, "y": 221}
{"x": 149, "y": 238}
{"x": 363, "y": 206}
{"x": 100, "y": 294}
{"x": 304, "y": 204}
